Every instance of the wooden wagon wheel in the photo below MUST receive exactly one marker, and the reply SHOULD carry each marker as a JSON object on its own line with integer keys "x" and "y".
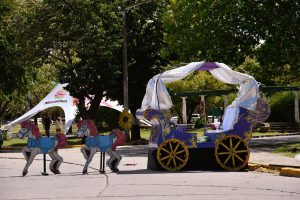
{"x": 172, "y": 154}
{"x": 232, "y": 152}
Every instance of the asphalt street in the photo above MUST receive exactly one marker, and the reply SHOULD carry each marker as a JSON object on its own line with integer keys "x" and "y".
{"x": 134, "y": 181}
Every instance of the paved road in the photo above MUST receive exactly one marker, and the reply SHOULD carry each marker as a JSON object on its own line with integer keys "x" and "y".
{"x": 136, "y": 182}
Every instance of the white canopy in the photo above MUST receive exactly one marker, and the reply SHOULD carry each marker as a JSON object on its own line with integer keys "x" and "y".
{"x": 157, "y": 96}
{"x": 57, "y": 97}
{"x": 61, "y": 98}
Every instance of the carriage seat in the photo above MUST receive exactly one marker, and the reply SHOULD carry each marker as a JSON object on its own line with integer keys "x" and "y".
{"x": 229, "y": 119}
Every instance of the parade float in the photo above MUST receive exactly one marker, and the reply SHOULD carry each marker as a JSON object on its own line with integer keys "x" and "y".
{"x": 173, "y": 149}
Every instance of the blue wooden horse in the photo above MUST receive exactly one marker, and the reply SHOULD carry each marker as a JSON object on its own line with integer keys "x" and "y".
{"x": 100, "y": 143}
{"x": 41, "y": 145}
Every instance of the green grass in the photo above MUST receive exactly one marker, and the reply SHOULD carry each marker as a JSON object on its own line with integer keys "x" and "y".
{"x": 289, "y": 150}
{"x": 145, "y": 134}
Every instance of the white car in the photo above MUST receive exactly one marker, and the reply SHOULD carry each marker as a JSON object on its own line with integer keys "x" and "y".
{"x": 195, "y": 117}
{"x": 174, "y": 119}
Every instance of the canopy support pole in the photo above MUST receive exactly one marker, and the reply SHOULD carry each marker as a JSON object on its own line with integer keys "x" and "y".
{"x": 184, "y": 117}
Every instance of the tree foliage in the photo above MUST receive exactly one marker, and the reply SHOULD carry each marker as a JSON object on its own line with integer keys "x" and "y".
{"x": 12, "y": 71}
{"x": 229, "y": 30}
{"x": 145, "y": 40}
{"x": 80, "y": 38}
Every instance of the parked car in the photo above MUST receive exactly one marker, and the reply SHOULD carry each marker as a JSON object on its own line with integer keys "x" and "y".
{"x": 174, "y": 119}
{"x": 195, "y": 117}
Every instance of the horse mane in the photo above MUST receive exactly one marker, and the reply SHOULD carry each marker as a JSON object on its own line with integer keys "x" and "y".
{"x": 120, "y": 138}
{"x": 34, "y": 129}
{"x": 79, "y": 123}
{"x": 62, "y": 140}
{"x": 91, "y": 125}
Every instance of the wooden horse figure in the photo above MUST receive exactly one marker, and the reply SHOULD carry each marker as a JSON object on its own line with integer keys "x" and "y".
{"x": 100, "y": 143}
{"x": 41, "y": 145}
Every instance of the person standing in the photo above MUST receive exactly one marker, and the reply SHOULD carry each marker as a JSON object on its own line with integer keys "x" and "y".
{"x": 58, "y": 125}
{"x": 47, "y": 123}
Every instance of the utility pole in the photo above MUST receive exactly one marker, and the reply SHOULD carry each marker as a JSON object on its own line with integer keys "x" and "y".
{"x": 125, "y": 62}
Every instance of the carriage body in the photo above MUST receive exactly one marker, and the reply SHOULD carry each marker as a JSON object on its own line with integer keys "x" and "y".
{"x": 174, "y": 149}
{"x": 190, "y": 152}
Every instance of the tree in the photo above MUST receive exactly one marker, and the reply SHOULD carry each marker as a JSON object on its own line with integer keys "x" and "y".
{"x": 11, "y": 68}
{"x": 79, "y": 38}
{"x": 12, "y": 71}
{"x": 230, "y": 30}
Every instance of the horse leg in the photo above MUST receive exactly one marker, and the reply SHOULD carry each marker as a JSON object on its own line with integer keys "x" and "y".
{"x": 26, "y": 152}
{"x": 56, "y": 162}
{"x": 89, "y": 159}
{"x": 33, "y": 153}
{"x": 114, "y": 160}
{"x": 110, "y": 160}
{"x": 85, "y": 152}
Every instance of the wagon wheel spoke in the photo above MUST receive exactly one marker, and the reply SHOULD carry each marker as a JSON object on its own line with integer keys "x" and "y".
{"x": 168, "y": 163}
{"x": 230, "y": 140}
{"x": 174, "y": 161}
{"x": 176, "y": 147}
{"x": 165, "y": 150}
{"x": 179, "y": 159}
{"x": 227, "y": 159}
{"x": 223, "y": 153}
{"x": 164, "y": 158}
{"x": 225, "y": 146}
{"x": 237, "y": 145}
{"x": 171, "y": 148}
{"x": 179, "y": 152}
{"x": 233, "y": 161}
{"x": 239, "y": 158}
{"x": 241, "y": 151}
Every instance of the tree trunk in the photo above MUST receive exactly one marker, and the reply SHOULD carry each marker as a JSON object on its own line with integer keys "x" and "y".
{"x": 3, "y": 108}
{"x": 91, "y": 111}
{"x": 135, "y": 130}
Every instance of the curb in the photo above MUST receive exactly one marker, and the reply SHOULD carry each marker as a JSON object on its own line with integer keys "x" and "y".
{"x": 286, "y": 171}
{"x": 286, "y": 134}
{"x": 282, "y": 170}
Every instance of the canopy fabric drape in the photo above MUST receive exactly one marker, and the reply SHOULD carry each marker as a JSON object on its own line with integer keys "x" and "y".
{"x": 157, "y": 96}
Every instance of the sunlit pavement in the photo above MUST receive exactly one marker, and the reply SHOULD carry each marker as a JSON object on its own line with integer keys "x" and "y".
{"x": 134, "y": 181}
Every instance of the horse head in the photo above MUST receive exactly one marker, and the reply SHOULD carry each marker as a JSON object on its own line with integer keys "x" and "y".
{"x": 28, "y": 128}
{"x": 82, "y": 129}
{"x": 87, "y": 128}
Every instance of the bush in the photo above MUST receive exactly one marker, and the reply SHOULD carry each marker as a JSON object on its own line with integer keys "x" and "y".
{"x": 282, "y": 107}
{"x": 199, "y": 123}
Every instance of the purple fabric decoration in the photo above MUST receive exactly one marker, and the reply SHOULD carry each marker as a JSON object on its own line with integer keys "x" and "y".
{"x": 207, "y": 66}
